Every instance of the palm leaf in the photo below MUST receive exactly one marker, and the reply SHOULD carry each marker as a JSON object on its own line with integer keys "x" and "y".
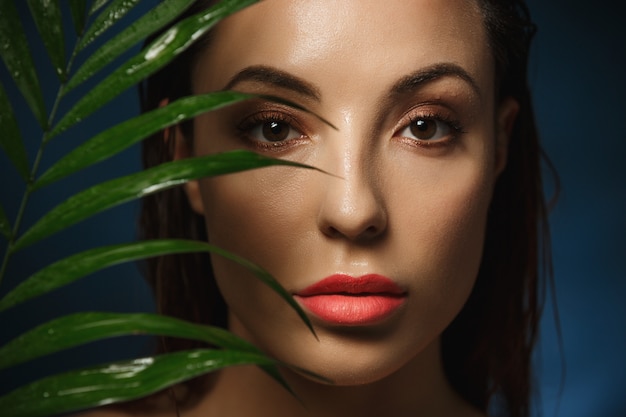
{"x": 156, "y": 18}
{"x": 160, "y": 52}
{"x": 10, "y": 139}
{"x": 19, "y": 62}
{"x": 120, "y": 190}
{"x": 121, "y": 381}
{"x": 78, "y": 10}
{"x": 70, "y": 269}
{"x": 111, "y": 15}
{"x": 122, "y": 136}
{"x": 133, "y": 379}
{"x": 47, "y": 17}
{"x": 97, "y": 5}
{"x": 81, "y": 328}
{"x": 77, "y": 266}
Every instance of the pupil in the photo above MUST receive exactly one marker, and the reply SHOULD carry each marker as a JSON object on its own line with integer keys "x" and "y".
{"x": 275, "y": 131}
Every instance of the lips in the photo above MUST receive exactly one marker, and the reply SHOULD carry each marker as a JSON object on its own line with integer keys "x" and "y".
{"x": 345, "y": 300}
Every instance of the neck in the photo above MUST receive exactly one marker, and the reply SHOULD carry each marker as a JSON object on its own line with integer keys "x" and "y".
{"x": 419, "y": 388}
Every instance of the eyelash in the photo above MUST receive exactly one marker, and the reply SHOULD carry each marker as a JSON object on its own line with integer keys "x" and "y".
{"x": 258, "y": 120}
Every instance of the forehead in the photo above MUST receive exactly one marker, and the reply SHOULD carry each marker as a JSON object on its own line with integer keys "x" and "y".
{"x": 349, "y": 42}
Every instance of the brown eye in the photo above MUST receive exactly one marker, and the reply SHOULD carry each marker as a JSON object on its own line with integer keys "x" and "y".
{"x": 274, "y": 131}
{"x": 427, "y": 129}
{"x": 423, "y": 128}
{"x": 270, "y": 130}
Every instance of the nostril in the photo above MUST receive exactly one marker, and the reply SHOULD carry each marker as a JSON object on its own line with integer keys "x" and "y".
{"x": 332, "y": 232}
{"x": 370, "y": 232}
{"x": 363, "y": 233}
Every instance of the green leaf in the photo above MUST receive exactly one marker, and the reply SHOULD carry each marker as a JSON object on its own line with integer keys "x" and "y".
{"x": 70, "y": 269}
{"x": 10, "y": 139}
{"x": 81, "y": 328}
{"x": 134, "y": 186}
{"x": 111, "y": 15}
{"x": 160, "y": 52}
{"x": 78, "y": 10}
{"x": 120, "y": 381}
{"x": 97, "y": 5}
{"x": 5, "y": 226}
{"x": 77, "y": 266}
{"x": 120, "y": 137}
{"x": 153, "y": 20}
{"x": 16, "y": 56}
{"x": 47, "y": 17}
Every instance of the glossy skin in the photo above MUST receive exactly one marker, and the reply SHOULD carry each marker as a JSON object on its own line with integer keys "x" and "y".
{"x": 413, "y": 210}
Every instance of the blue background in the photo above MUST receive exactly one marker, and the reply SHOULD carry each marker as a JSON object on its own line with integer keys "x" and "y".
{"x": 579, "y": 89}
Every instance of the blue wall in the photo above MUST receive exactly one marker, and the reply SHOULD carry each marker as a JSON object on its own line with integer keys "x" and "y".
{"x": 579, "y": 84}
{"x": 579, "y": 88}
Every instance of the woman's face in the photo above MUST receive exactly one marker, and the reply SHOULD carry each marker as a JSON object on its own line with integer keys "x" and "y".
{"x": 412, "y": 162}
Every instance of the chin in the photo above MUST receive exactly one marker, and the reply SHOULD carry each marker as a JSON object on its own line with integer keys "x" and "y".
{"x": 346, "y": 376}
{"x": 349, "y": 356}
{"x": 347, "y": 361}
{"x": 356, "y": 377}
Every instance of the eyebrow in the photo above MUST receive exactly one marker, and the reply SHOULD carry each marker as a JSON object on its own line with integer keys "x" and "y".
{"x": 423, "y": 76}
{"x": 408, "y": 84}
{"x": 275, "y": 77}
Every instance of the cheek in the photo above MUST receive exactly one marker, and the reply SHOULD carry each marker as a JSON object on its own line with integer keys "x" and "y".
{"x": 451, "y": 223}
{"x": 252, "y": 213}
{"x": 441, "y": 224}
{"x": 265, "y": 217}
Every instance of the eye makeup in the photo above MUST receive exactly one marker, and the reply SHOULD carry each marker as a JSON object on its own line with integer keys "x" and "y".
{"x": 429, "y": 127}
{"x": 270, "y": 130}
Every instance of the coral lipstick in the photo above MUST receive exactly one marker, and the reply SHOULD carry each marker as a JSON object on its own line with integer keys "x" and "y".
{"x": 349, "y": 301}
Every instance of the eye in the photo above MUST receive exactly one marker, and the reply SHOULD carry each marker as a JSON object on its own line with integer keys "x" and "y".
{"x": 272, "y": 131}
{"x": 427, "y": 129}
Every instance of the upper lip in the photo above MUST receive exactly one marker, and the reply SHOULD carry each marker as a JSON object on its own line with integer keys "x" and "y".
{"x": 346, "y": 284}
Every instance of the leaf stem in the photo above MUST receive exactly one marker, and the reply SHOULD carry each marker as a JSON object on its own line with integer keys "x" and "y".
{"x": 26, "y": 196}
{"x": 5, "y": 260}
{"x": 33, "y": 173}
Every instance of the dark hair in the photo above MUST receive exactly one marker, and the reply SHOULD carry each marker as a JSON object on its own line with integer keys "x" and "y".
{"x": 487, "y": 348}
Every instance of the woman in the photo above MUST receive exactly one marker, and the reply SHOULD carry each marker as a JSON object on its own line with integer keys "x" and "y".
{"x": 416, "y": 260}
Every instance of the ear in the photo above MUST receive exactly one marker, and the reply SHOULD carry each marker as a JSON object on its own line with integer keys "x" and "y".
{"x": 182, "y": 149}
{"x": 505, "y": 119}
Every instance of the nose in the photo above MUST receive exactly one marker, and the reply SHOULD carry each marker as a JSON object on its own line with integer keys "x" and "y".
{"x": 353, "y": 206}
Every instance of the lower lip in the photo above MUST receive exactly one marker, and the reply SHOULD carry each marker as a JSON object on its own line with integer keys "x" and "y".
{"x": 352, "y": 310}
